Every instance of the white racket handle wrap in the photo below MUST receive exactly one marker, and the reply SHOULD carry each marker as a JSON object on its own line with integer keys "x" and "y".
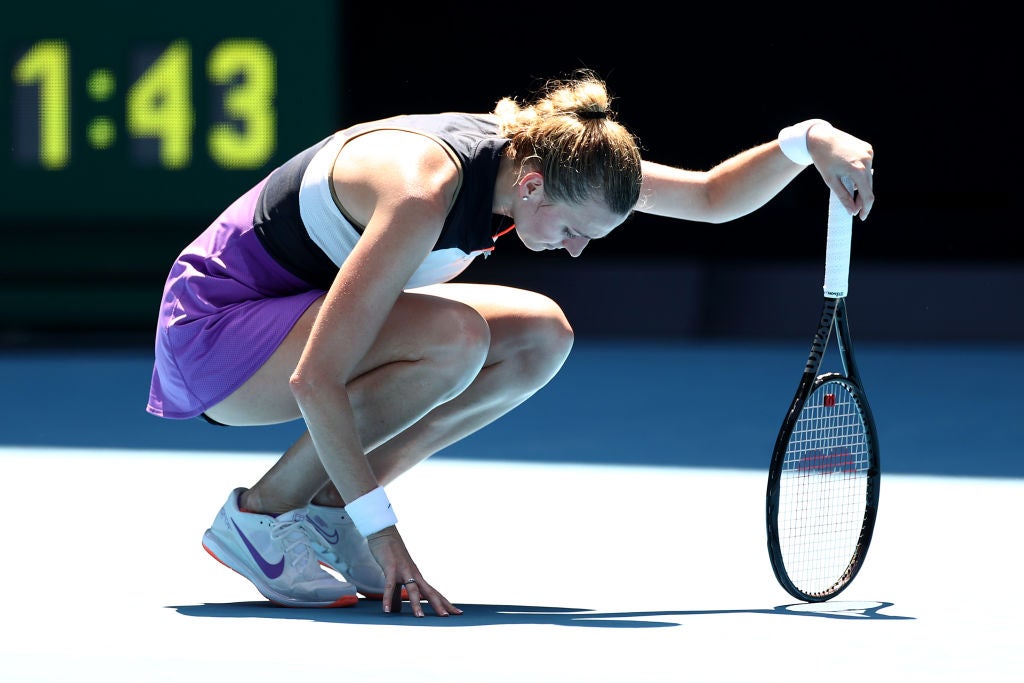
{"x": 837, "y": 247}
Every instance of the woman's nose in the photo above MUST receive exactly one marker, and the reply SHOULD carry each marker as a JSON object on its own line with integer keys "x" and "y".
{"x": 575, "y": 245}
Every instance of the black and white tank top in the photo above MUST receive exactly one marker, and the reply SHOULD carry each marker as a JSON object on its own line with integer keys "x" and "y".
{"x": 306, "y": 229}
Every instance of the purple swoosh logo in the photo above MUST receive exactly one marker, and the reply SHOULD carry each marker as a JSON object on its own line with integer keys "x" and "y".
{"x": 329, "y": 537}
{"x": 271, "y": 570}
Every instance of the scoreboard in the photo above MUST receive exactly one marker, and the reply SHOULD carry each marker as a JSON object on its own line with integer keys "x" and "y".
{"x": 126, "y": 128}
{"x": 126, "y": 111}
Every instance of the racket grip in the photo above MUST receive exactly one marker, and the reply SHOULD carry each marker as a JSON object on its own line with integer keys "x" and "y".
{"x": 837, "y": 247}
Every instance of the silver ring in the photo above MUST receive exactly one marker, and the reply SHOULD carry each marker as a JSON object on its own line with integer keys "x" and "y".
{"x": 409, "y": 581}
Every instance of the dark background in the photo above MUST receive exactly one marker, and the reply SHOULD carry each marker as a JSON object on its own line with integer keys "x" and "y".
{"x": 934, "y": 93}
{"x": 663, "y": 310}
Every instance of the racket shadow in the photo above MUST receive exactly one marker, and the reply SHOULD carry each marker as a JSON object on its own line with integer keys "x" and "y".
{"x": 370, "y": 614}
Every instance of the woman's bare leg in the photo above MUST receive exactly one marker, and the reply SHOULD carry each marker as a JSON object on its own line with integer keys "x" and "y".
{"x": 435, "y": 375}
{"x": 530, "y": 340}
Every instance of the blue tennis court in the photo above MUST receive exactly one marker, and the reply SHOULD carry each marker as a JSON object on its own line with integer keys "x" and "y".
{"x": 562, "y": 578}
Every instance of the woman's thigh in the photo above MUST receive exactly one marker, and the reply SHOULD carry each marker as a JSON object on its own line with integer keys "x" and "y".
{"x": 518, "y": 319}
{"x": 421, "y": 323}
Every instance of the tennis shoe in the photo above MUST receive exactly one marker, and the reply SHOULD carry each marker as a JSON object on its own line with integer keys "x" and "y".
{"x": 277, "y": 554}
{"x": 341, "y": 547}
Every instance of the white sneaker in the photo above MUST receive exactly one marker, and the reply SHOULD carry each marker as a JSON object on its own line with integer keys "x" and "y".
{"x": 277, "y": 555}
{"x": 344, "y": 549}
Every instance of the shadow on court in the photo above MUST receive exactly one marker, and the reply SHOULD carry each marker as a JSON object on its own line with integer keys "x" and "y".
{"x": 369, "y": 613}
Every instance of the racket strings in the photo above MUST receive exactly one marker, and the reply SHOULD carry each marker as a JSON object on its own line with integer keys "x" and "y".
{"x": 823, "y": 489}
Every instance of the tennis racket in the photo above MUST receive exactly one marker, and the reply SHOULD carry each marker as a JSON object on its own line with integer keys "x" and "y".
{"x": 824, "y": 477}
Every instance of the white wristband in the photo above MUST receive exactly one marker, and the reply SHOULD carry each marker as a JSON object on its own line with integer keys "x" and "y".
{"x": 793, "y": 141}
{"x": 371, "y": 512}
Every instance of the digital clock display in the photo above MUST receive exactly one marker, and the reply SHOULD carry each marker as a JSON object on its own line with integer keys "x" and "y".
{"x": 158, "y": 110}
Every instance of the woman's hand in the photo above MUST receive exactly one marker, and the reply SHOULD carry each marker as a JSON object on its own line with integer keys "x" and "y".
{"x": 401, "y": 572}
{"x": 839, "y": 155}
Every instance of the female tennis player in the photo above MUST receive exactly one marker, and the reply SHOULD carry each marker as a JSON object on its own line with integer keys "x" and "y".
{"x": 325, "y": 294}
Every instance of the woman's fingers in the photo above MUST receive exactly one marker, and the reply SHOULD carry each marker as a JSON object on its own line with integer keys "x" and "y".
{"x": 402, "y": 575}
{"x": 419, "y": 591}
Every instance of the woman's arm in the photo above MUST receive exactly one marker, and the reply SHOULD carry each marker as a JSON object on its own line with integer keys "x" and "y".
{"x": 747, "y": 181}
{"x": 400, "y": 186}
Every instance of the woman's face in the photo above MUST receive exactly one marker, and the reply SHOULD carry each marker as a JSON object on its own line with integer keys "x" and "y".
{"x": 542, "y": 224}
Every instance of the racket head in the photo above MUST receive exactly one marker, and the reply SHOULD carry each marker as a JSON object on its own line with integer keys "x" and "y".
{"x": 823, "y": 488}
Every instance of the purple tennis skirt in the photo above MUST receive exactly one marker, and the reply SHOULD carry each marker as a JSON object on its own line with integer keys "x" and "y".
{"x": 227, "y": 305}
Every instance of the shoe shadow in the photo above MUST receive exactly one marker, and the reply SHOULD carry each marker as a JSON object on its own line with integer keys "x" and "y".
{"x": 370, "y": 613}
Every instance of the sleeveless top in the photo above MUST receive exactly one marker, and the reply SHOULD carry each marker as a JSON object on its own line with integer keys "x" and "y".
{"x": 304, "y": 227}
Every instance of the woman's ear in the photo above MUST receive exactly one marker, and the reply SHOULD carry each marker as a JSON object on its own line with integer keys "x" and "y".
{"x": 531, "y": 186}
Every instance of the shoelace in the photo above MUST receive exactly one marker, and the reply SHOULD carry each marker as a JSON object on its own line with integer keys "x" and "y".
{"x": 296, "y": 539}
{"x": 316, "y": 543}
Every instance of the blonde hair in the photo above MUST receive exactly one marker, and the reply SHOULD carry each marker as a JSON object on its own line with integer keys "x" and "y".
{"x": 569, "y": 134}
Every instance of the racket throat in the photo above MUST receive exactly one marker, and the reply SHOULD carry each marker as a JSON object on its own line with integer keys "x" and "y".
{"x": 821, "y": 337}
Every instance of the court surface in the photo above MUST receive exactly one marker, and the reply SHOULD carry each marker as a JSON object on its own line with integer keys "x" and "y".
{"x": 611, "y": 529}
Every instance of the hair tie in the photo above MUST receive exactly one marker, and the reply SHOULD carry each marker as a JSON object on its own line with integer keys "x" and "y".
{"x": 589, "y": 114}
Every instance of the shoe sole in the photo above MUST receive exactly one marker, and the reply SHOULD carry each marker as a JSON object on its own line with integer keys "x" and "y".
{"x": 226, "y": 557}
{"x": 372, "y": 595}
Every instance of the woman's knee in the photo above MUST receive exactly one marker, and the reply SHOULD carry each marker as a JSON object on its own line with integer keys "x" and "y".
{"x": 540, "y": 341}
{"x": 553, "y": 335}
{"x": 459, "y": 343}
